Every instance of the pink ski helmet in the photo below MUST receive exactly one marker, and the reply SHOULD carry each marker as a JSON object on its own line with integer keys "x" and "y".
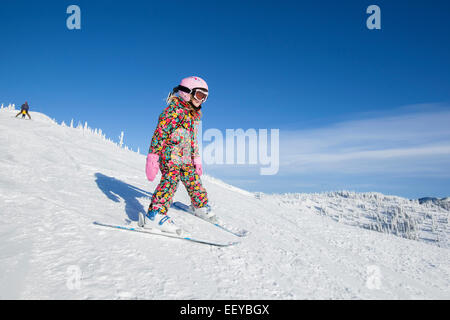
{"x": 189, "y": 86}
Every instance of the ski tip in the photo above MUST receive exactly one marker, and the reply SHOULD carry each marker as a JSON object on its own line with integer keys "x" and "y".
{"x": 98, "y": 223}
{"x": 243, "y": 233}
{"x": 225, "y": 245}
{"x": 237, "y": 233}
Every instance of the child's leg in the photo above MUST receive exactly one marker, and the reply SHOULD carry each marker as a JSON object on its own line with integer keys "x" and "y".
{"x": 194, "y": 187}
{"x": 164, "y": 192}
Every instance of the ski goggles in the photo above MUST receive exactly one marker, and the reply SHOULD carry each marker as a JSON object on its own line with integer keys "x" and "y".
{"x": 199, "y": 94}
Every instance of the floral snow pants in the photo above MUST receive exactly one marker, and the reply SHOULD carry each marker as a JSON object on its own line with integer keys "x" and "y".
{"x": 170, "y": 176}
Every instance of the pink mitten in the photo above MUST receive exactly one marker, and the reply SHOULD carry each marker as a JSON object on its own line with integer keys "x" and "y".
{"x": 198, "y": 166}
{"x": 152, "y": 166}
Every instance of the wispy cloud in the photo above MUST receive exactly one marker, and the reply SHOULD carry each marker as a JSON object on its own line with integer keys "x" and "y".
{"x": 405, "y": 152}
{"x": 416, "y": 142}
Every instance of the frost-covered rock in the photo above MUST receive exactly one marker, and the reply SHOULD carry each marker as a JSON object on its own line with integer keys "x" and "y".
{"x": 443, "y": 203}
{"x": 410, "y": 219}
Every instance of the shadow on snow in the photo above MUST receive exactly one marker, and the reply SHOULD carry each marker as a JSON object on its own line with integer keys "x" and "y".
{"x": 115, "y": 189}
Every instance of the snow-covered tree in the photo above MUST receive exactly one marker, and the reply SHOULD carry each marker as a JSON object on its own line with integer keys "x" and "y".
{"x": 121, "y": 139}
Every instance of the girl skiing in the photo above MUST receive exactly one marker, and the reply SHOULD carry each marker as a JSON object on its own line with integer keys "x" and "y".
{"x": 174, "y": 150}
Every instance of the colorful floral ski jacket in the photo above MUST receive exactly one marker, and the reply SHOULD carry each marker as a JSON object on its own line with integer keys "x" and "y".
{"x": 175, "y": 137}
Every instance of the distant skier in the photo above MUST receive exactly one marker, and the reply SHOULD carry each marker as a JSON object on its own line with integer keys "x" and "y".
{"x": 174, "y": 150}
{"x": 24, "y": 110}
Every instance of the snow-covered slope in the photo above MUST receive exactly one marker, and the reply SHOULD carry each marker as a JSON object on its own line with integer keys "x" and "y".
{"x": 55, "y": 181}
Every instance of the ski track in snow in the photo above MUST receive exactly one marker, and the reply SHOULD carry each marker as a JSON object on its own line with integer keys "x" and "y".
{"x": 55, "y": 181}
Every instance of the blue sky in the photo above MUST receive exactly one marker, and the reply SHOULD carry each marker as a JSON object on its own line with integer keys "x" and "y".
{"x": 309, "y": 68}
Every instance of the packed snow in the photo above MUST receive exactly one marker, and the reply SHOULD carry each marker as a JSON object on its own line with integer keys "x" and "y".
{"x": 57, "y": 179}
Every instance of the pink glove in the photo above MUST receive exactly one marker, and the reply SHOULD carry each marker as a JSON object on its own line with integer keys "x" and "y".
{"x": 198, "y": 166}
{"x": 152, "y": 166}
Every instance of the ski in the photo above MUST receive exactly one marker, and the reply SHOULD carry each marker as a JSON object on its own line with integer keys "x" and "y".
{"x": 160, "y": 233}
{"x": 239, "y": 233}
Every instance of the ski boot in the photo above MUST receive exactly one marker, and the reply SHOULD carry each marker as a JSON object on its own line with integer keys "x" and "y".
{"x": 205, "y": 213}
{"x": 155, "y": 220}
